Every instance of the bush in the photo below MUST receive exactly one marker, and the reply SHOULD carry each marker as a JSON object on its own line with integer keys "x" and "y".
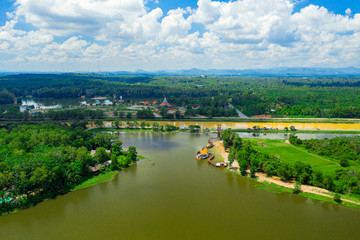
{"x": 344, "y": 162}
{"x": 294, "y": 140}
{"x": 145, "y": 114}
{"x": 337, "y": 198}
{"x": 297, "y": 188}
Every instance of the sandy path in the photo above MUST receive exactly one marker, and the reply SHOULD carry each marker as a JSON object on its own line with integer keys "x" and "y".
{"x": 276, "y": 180}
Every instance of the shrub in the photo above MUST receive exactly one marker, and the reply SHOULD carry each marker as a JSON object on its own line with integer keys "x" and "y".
{"x": 297, "y": 187}
{"x": 344, "y": 162}
{"x": 337, "y": 198}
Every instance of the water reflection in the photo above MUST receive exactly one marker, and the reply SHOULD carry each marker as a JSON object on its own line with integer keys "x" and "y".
{"x": 148, "y": 140}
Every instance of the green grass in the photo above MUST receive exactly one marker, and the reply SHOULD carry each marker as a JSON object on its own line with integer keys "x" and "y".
{"x": 290, "y": 154}
{"x": 218, "y": 157}
{"x": 101, "y": 178}
{"x": 330, "y": 199}
{"x": 271, "y": 188}
{"x": 276, "y": 189}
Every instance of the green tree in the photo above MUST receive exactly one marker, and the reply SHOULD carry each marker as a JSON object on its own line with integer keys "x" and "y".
{"x": 132, "y": 154}
{"x": 114, "y": 163}
{"x": 231, "y": 158}
{"x": 116, "y": 124}
{"x": 297, "y": 187}
{"x": 243, "y": 164}
{"x": 284, "y": 171}
{"x": 145, "y": 114}
{"x": 99, "y": 123}
{"x": 317, "y": 179}
{"x": 194, "y": 128}
{"x": 155, "y": 126}
{"x": 177, "y": 114}
{"x": 237, "y": 143}
{"x": 329, "y": 183}
{"x": 117, "y": 148}
{"x": 252, "y": 171}
{"x": 101, "y": 155}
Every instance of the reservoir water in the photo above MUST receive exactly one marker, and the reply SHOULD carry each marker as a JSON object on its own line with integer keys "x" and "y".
{"x": 173, "y": 196}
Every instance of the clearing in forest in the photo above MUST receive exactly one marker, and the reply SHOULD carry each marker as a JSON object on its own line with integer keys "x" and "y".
{"x": 290, "y": 154}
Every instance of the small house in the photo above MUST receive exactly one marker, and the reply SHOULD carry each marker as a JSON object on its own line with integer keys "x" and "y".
{"x": 196, "y": 106}
{"x": 95, "y": 169}
{"x": 108, "y": 102}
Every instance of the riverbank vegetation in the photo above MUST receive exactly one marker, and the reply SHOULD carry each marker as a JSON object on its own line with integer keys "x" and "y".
{"x": 38, "y": 162}
{"x": 101, "y": 178}
{"x": 295, "y": 163}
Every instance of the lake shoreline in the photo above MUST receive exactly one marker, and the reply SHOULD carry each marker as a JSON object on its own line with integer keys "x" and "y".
{"x": 286, "y": 186}
{"x": 147, "y": 129}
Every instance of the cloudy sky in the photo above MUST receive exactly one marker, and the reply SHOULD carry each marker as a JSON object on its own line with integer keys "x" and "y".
{"x": 76, "y": 35}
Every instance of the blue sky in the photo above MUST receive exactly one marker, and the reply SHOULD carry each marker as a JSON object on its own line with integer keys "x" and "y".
{"x": 176, "y": 34}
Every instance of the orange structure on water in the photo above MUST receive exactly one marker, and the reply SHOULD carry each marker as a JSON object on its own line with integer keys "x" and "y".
{"x": 205, "y": 154}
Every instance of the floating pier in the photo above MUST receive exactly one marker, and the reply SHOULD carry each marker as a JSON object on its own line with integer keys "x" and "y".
{"x": 204, "y": 154}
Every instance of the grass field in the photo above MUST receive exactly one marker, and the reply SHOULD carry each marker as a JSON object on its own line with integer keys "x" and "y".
{"x": 290, "y": 154}
{"x": 101, "y": 178}
{"x": 276, "y": 189}
{"x": 218, "y": 157}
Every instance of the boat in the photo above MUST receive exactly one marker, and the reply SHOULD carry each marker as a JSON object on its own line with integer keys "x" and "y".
{"x": 220, "y": 164}
{"x": 203, "y": 154}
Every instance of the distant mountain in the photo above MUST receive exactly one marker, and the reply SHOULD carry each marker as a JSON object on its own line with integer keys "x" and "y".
{"x": 283, "y": 71}
{"x": 270, "y": 71}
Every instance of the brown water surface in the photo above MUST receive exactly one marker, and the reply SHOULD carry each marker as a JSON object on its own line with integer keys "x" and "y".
{"x": 174, "y": 196}
{"x": 274, "y": 125}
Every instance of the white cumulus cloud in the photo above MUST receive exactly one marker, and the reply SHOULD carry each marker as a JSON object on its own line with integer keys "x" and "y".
{"x": 126, "y": 34}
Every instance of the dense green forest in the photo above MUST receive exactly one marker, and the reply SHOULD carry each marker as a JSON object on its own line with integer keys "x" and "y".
{"x": 42, "y": 161}
{"x": 345, "y": 180}
{"x": 327, "y": 97}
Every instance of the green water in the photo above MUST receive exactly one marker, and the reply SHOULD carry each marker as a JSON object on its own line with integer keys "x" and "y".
{"x": 174, "y": 196}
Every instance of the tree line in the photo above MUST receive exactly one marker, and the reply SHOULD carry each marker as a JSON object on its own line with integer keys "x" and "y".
{"x": 279, "y": 96}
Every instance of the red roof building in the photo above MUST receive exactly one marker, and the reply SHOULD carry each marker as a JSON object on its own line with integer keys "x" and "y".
{"x": 146, "y": 103}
